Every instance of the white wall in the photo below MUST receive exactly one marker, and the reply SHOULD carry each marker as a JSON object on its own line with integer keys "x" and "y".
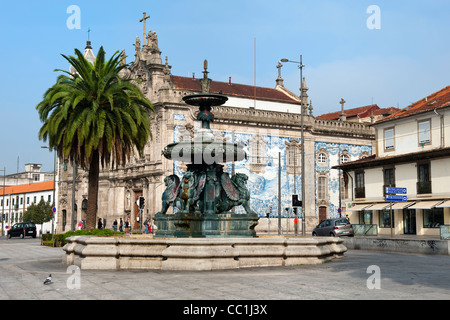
{"x": 406, "y": 134}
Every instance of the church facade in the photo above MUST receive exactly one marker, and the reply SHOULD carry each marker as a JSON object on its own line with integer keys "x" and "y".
{"x": 266, "y": 121}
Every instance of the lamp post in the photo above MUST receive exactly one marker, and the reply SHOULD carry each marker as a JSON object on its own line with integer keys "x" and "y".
{"x": 54, "y": 184}
{"x": 301, "y": 65}
{"x": 3, "y": 201}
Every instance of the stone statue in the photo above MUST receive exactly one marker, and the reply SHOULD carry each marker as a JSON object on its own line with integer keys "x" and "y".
{"x": 170, "y": 194}
{"x": 235, "y": 193}
{"x": 152, "y": 39}
{"x": 137, "y": 46}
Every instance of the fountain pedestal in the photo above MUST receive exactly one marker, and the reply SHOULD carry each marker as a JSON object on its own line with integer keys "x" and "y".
{"x": 197, "y": 225}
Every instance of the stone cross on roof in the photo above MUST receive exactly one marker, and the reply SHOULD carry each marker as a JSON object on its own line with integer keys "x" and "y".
{"x": 145, "y": 17}
{"x": 342, "y": 116}
{"x": 279, "y": 80}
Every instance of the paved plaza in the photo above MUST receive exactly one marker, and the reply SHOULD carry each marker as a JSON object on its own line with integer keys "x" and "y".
{"x": 24, "y": 265}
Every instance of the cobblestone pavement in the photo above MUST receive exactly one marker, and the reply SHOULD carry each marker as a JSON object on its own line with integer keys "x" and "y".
{"x": 24, "y": 265}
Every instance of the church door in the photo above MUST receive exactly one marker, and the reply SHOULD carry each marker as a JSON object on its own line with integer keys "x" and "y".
{"x": 137, "y": 218}
{"x": 322, "y": 213}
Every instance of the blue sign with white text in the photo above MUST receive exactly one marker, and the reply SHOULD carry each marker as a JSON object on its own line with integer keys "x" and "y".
{"x": 395, "y": 190}
{"x": 393, "y": 197}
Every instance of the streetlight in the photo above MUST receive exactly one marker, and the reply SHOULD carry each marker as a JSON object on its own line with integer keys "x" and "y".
{"x": 301, "y": 65}
{"x": 54, "y": 184}
{"x": 3, "y": 201}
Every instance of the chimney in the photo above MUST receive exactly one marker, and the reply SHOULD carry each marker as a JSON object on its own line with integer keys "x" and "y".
{"x": 229, "y": 81}
{"x": 193, "y": 75}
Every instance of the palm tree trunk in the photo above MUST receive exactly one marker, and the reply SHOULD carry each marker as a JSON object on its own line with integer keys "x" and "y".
{"x": 94, "y": 171}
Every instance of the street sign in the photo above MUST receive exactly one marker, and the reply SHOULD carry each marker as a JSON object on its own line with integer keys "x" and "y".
{"x": 54, "y": 210}
{"x": 392, "y": 197}
{"x": 395, "y": 190}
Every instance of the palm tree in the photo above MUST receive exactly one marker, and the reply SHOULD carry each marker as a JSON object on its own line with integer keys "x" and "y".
{"x": 93, "y": 116}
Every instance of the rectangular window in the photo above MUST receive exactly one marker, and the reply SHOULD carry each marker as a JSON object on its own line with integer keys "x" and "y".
{"x": 389, "y": 143}
{"x": 385, "y": 218}
{"x": 359, "y": 179}
{"x": 34, "y": 199}
{"x": 293, "y": 154}
{"x": 365, "y": 217}
{"x": 49, "y": 199}
{"x": 322, "y": 188}
{"x": 28, "y": 200}
{"x": 423, "y": 172}
{"x": 359, "y": 185}
{"x": 388, "y": 178}
{"x": 433, "y": 218}
{"x": 424, "y": 131}
{"x": 423, "y": 178}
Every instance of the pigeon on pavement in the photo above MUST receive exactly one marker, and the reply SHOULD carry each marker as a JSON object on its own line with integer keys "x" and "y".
{"x": 48, "y": 280}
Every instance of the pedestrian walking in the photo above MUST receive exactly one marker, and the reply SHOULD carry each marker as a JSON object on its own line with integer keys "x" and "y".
{"x": 121, "y": 225}
{"x": 146, "y": 225}
{"x": 115, "y": 225}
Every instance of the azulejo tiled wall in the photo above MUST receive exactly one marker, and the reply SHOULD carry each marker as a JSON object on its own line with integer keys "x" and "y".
{"x": 263, "y": 183}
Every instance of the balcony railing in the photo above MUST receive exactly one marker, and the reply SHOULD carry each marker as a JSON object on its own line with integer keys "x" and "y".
{"x": 360, "y": 192}
{"x": 423, "y": 187}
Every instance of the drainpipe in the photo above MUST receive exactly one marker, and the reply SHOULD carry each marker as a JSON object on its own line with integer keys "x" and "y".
{"x": 441, "y": 117}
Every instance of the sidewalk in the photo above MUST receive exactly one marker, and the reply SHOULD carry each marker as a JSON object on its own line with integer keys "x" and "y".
{"x": 400, "y": 243}
{"x": 24, "y": 264}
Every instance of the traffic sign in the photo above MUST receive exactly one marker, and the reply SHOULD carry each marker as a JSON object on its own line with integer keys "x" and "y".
{"x": 395, "y": 190}
{"x": 392, "y": 197}
{"x": 54, "y": 210}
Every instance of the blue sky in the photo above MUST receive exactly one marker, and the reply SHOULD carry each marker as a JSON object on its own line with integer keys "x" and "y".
{"x": 403, "y": 61}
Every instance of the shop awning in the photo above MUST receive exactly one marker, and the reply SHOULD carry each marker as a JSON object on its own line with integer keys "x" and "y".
{"x": 426, "y": 204}
{"x": 359, "y": 207}
{"x": 402, "y": 205}
{"x": 380, "y": 206}
{"x": 445, "y": 204}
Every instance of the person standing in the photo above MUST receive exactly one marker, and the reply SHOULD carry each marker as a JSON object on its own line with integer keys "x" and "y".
{"x": 121, "y": 225}
{"x": 146, "y": 225}
{"x": 99, "y": 224}
{"x": 115, "y": 225}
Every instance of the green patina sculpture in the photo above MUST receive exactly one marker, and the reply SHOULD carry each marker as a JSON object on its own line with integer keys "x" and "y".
{"x": 205, "y": 194}
{"x": 235, "y": 193}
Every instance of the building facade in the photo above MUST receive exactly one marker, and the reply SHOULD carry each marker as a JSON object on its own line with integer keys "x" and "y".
{"x": 265, "y": 120}
{"x": 14, "y": 201}
{"x": 412, "y": 152}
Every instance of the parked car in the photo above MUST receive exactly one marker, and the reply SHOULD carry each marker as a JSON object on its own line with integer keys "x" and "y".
{"x": 22, "y": 229}
{"x": 334, "y": 227}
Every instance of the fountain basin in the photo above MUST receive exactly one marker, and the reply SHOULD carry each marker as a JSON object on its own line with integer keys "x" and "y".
{"x": 131, "y": 253}
{"x": 208, "y": 152}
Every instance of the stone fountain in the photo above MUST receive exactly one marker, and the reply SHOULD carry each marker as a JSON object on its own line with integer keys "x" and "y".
{"x": 202, "y": 233}
{"x": 205, "y": 194}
